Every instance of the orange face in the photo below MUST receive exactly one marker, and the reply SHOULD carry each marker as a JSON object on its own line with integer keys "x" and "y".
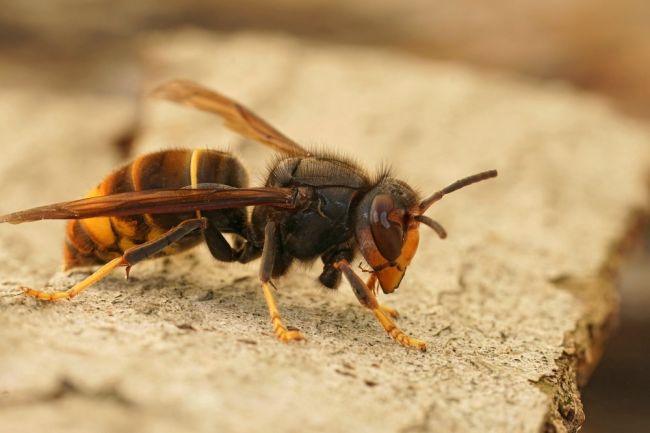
{"x": 390, "y": 274}
{"x": 388, "y": 240}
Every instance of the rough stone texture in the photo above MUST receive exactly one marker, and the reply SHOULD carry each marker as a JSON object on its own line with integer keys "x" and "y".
{"x": 513, "y": 305}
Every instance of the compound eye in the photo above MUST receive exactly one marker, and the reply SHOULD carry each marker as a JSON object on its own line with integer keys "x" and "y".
{"x": 386, "y": 226}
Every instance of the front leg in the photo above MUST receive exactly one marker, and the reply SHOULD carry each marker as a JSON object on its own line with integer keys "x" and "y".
{"x": 372, "y": 286}
{"x": 331, "y": 276}
{"x": 367, "y": 298}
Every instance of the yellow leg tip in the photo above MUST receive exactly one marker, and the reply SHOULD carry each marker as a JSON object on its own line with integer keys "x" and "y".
{"x": 397, "y": 334}
{"x": 407, "y": 341}
{"x": 281, "y": 332}
{"x": 287, "y": 336}
{"x": 42, "y": 296}
{"x": 77, "y": 288}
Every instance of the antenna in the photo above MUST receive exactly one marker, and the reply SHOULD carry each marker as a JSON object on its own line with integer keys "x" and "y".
{"x": 427, "y": 202}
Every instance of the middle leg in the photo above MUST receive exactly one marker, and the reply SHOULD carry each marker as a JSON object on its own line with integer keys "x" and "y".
{"x": 269, "y": 252}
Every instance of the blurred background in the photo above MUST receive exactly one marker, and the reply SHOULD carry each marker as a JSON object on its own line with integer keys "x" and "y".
{"x": 596, "y": 46}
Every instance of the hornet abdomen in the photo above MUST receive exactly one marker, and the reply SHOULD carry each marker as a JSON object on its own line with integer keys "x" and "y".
{"x": 98, "y": 240}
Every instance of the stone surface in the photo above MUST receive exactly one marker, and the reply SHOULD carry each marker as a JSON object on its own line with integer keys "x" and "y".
{"x": 505, "y": 304}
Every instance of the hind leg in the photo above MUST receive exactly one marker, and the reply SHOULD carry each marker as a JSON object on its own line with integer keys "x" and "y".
{"x": 128, "y": 259}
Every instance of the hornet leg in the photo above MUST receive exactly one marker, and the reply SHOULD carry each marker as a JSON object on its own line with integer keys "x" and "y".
{"x": 367, "y": 298}
{"x": 244, "y": 251}
{"x": 372, "y": 285}
{"x": 331, "y": 276}
{"x": 266, "y": 269}
{"x": 130, "y": 258}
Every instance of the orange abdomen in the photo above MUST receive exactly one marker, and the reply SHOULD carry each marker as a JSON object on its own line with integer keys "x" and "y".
{"x": 97, "y": 240}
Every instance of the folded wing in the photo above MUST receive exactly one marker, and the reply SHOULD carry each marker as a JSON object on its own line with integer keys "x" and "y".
{"x": 157, "y": 201}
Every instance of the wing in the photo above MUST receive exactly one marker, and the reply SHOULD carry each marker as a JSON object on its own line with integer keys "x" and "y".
{"x": 158, "y": 201}
{"x": 237, "y": 117}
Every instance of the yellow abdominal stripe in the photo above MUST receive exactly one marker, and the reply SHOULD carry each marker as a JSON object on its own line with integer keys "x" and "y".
{"x": 194, "y": 172}
{"x": 99, "y": 229}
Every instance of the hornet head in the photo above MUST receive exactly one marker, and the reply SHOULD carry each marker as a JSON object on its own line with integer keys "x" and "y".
{"x": 387, "y": 225}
